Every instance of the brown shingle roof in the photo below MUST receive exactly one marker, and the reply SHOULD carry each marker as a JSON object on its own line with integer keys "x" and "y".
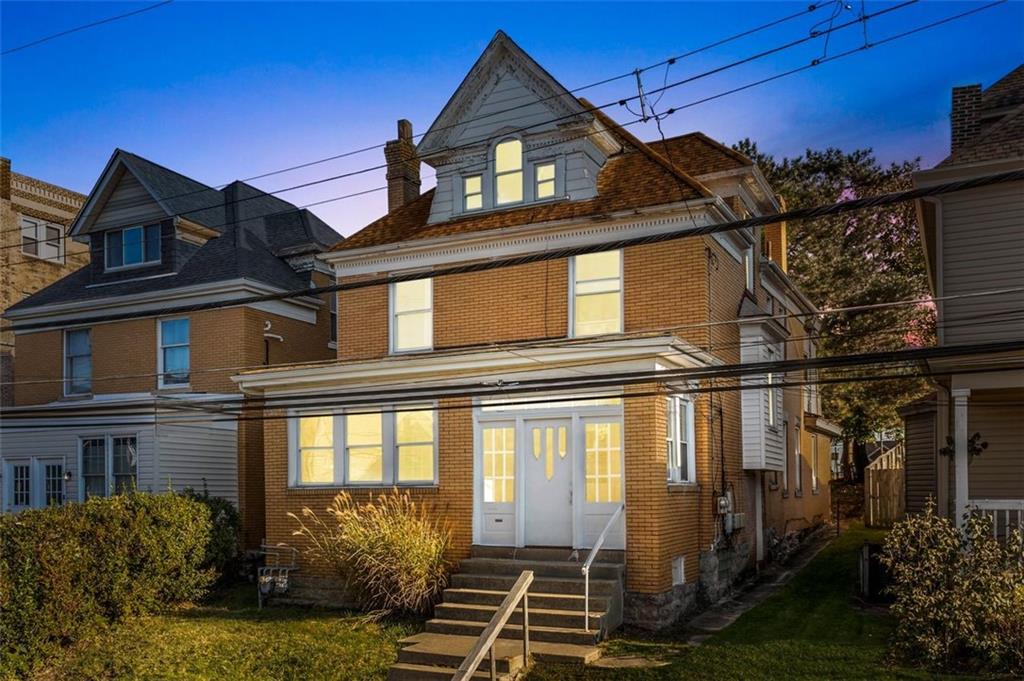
{"x": 637, "y": 177}
{"x": 1007, "y": 91}
{"x": 1004, "y": 139}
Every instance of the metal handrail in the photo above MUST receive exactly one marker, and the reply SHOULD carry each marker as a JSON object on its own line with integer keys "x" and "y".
{"x": 590, "y": 559}
{"x": 485, "y": 643}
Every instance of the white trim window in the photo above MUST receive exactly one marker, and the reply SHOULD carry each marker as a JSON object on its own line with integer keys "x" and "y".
{"x": 814, "y": 463}
{"x": 544, "y": 180}
{"x": 679, "y": 436}
{"x": 77, "y": 361}
{"x": 785, "y": 457}
{"x": 473, "y": 192}
{"x": 42, "y": 239}
{"x": 772, "y": 393}
{"x": 362, "y": 447}
{"x": 508, "y": 172}
{"x": 412, "y": 315}
{"x": 173, "y": 354}
{"x": 109, "y": 464}
{"x": 333, "y": 315}
{"x": 748, "y": 268}
{"x": 596, "y": 294}
{"x": 798, "y": 471}
{"x": 131, "y": 247}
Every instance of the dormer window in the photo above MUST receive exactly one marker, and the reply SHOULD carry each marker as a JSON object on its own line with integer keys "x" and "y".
{"x": 508, "y": 172}
{"x": 544, "y": 176}
{"x": 132, "y": 247}
{"x": 473, "y": 192}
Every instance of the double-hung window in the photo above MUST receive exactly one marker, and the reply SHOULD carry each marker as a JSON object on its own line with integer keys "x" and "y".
{"x": 41, "y": 239}
{"x": 597, "y": 293}
{"x": 412, "y": 322}
{"x": 132, "y": 246}
{"x": 473, "y": 192}
{"x": 798, "y": 470}
{"x": 508, "y": 172}
{"x": 679, "y": 435}
{"x": 748, "y": 268}
{"x": 77, "y": 362}
{"x": 814, "y": 463}
{"x": 109, "y": 464}
{"x": 367, "y": 447}
{"x": 334, "y": 317}
{"x": 544, "y": 180}
{"x": 173, "y": 355}
{"x": 771, "y": 394}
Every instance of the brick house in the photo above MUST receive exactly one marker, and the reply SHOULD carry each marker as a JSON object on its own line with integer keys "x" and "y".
{"x": 513, "y": 470}
{"x": 122, "y": 400}
{"x": 34, "y": 250}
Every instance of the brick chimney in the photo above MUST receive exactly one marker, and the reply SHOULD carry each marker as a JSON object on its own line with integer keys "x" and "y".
{"x": 5, "y": 178}
{"x": 776, "y": 241}
{"x": 964, "y": 118}
{"x": 403, "y": 168}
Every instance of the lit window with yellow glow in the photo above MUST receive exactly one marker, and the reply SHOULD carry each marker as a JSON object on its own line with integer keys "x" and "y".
{"x": 473, "y": 192}
{"x": 508, "y": 172}
{"x": 499, "y": 448}
{"x": 597, "y": 293}
{"x": 414, "y": 440}
{"x": 413, "y": 316}
{"x": 544, "y": 175}
{"x": 364, "y": 440}
{"x": 603, "y": 476}
{"x": 316, "y": 450}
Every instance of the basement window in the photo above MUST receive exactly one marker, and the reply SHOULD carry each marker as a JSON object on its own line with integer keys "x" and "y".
{"x": 678, "y": 570}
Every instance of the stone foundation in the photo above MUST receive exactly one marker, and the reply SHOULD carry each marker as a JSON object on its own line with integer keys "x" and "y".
{"x": 720, "y": 569}
{"x": 657, "y": 611}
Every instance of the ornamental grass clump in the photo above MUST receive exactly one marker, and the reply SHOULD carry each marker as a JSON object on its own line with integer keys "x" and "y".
{"x": 959, "y": 594}
{"x": 390, "y": 552}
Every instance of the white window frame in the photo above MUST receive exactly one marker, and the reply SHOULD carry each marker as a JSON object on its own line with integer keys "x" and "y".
{"x": 108, "y": 461}
{"x": 771, "y": 392}
{"x": 673, "y": 437}
{"x": 66, "y": 357}
{"x": 160, "y": 354}
{"x": 537, "y": 182}
{"x": 389, "y": 448}
{"x": 144, "y": 263}
{"x": 798, "y": 471}
{"x": 466, "y": 193}
{"x": 572, "y": 296}
{"x": 521, "y": 171}
{"x": 785, "y": 453}
{"x": 748, "y": 268}
{"x": 814, "y": 463}
{"x": 40, "y": 238}
{"x": 392, "y": 318}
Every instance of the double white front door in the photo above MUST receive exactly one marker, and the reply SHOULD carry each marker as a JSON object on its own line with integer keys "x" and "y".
{"x": 34, "y": 482}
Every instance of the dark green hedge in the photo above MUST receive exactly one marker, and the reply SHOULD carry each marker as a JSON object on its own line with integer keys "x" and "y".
{"x": 69, "y": 570}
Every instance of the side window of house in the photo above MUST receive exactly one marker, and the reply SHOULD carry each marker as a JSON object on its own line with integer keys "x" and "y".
{"x": 680, "y": 436}
{"x": 173, "y": 354}
{"x": 77, "y": 362}
{"x": 381, "y": 447}
{"x": 473, "y": 192}
{"x": 798, "y": 470}
{"x": 508, "y": 172}
{"x": 772, "y": 394}
{"x": 42, "y": 239}
{"x": 597, "y": 293}
{"x": 109, "y": 464}
{"x": 544, "y": 179}
{"x": 132, "y": 246}
{"x": 412, "y": 322}
{"x": 334, "y": 317}
{"x": 814, "y": 463}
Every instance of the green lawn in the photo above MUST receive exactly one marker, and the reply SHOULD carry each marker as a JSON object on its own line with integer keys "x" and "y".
{"x": 812, "y": 628}
{"x": 230, "y": 639}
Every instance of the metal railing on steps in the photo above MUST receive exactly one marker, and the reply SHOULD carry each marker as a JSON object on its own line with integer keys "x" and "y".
{"x": 594, "y": 550}
{"x": 485, "y": 643}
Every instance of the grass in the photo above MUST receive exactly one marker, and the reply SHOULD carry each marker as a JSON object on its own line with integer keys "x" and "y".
{"x": 229, "y": 638}
{"x": 812, "y": 628}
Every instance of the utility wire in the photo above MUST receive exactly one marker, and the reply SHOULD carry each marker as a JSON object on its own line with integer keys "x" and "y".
{"x": 83, "y": 27}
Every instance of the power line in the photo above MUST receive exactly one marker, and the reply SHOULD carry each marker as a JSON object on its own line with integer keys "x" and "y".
{"x": 733, "y": 225}
{"x": 83, "y": 27}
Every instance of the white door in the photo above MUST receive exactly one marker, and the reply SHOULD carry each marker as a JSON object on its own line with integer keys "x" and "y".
{"x": 51, "y": 482}
{"x": 18, "y": 486}
{"x": 547, "y": 464}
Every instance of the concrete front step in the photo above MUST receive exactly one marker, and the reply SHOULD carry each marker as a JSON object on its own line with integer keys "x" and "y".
{"x": 541, "y": 568}
{"x": 546, "y": 553}
{"x": 547, "y": 585}
{"x": 402, "y": 671}
{"x": 549, "y": 601}
{"x": 565, "y": 619}
{"x": 540, "y": 651}
{"x": 515, "y": 631}
{"x": 449, "y": 651}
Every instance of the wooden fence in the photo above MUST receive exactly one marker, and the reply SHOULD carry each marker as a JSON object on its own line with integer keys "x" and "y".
{"x": 884, "y": 498}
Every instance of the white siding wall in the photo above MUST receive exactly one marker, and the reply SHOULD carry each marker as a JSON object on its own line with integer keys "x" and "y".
{"x": 999, "y": 472}
{"x": 762, "y": 443}
{"x": 982, "y": 249}
{"x": 130, "y": 204}
{"x": 197, "y": 454}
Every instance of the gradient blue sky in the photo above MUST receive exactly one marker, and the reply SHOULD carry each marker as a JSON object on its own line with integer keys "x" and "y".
{"x": 220, "y": 91}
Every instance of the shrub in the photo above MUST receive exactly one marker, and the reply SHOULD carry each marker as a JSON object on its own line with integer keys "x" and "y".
{"x": 959, "y": 594}
{"x": 67, "y": 571}
{"x": 389, "y": 552}
{"x": 222, "y": 551}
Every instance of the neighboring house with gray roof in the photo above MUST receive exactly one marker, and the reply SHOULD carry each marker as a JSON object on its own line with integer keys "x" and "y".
{"x": 158, "y": 241}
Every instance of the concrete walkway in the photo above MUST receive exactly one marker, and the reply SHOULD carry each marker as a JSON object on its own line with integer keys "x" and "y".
{"x": 753, "y": 592}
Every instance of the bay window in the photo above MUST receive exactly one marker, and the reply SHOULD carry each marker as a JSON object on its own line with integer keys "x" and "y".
{"x": 132, "y": 246}
{"x": 508, "y": 172}
{"x": 386, "y": 446}
{"x": 412, "y": 316}
{"x": 597, "y": 293}
{"x": 679, "y": 435}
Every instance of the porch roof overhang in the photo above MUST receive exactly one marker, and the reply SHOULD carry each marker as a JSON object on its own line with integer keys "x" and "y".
{"x": 493, "y": 364}
{"x": 115, "y": 408}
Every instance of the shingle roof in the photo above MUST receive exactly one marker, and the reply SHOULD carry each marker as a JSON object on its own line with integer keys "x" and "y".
{"x": 1007, "y": 91}
{"x": 1001, "y": 110}
{"x": 638, "y": 165}
{"x": 178, "y": 194}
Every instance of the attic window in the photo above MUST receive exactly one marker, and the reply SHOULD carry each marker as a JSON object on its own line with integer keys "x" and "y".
{"x": 473, "y": 191}
{"x": 508, "y": 172}
{"x": 545, "y": 178}
{"x": 132, "y": 246}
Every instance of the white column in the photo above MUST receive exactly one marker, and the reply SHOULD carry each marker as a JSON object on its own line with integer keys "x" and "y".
{"x": 960, "y": 396}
